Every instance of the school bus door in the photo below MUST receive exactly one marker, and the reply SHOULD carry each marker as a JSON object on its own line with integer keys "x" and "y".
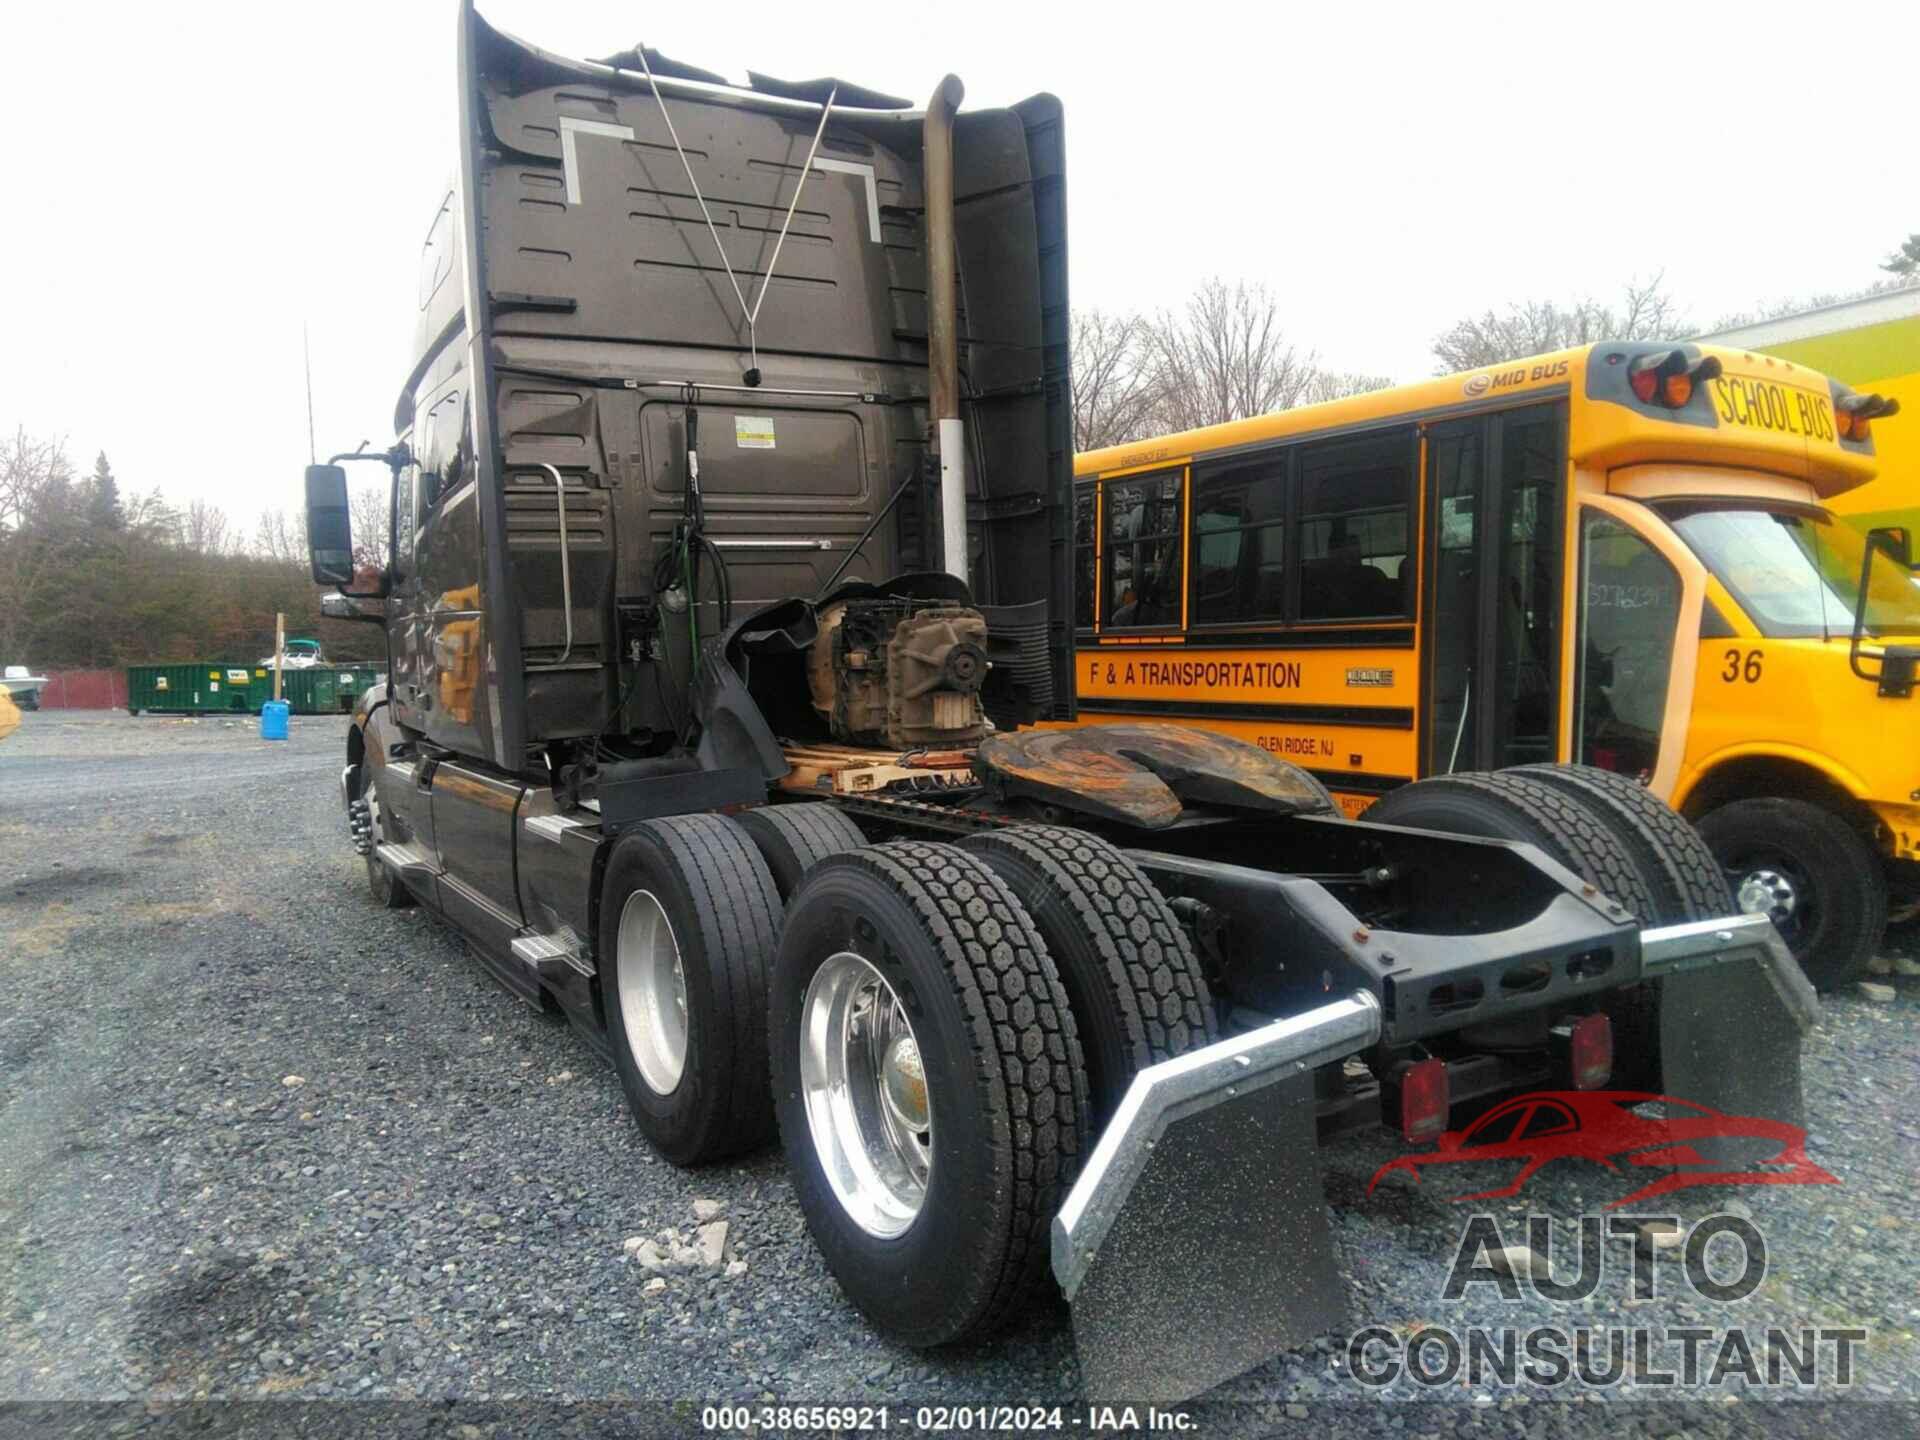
{"x": 1490, "y": 693}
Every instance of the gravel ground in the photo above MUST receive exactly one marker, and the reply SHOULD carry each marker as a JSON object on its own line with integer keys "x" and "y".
{"x": 260, "y": 1138}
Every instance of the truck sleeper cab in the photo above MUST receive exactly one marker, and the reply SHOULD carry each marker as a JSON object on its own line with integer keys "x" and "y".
{"x": 688, "y": 737}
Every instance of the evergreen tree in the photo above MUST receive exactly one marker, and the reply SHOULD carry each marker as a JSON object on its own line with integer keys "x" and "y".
{"x": 103, "y": 499}
{"x": 1905, "y": 262}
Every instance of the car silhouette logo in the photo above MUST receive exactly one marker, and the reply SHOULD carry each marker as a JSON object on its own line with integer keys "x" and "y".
{"x": 1605, "y": 1126}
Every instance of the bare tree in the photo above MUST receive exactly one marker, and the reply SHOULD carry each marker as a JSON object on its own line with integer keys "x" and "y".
{"x": 370, "y": 509}
{"x": 1533, "y": 327}
{"x": 205, "y": 529}
{"x": 1113, "y": 383}
{"x": 40, "y": 534}
{"x": 1226, "y": 356}
{"x": 281, "y": 537}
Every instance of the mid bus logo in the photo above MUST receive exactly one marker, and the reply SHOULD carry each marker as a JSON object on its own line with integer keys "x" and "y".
{"x": 1478, "y": 385}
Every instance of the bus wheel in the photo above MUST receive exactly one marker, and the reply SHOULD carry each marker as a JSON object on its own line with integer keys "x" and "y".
{"x": 1812, "y": 873}
{"x": 792, "y": 839}
{"x": 688, "y": 921}
{"x": 929, "y": 1086}
{"x": 1135, "y": 986}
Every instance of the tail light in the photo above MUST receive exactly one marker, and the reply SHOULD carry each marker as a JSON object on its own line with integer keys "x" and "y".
{"x": 1424, "y": 1100}
{"x": 1853, "y": 414}
{"x": 1587, "y": 1044}
{"x": 1667, "y": 378}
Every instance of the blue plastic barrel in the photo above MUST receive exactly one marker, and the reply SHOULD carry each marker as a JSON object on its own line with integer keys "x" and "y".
{"x": 273, "y": 720}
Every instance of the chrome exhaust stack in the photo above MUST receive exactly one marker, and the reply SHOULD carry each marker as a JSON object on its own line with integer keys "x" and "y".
{"x": 943, "y": 353}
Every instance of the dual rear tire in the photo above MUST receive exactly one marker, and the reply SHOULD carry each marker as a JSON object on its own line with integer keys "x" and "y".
{"x": 1610, "y": 831}
{"x": 911, "y": 1021}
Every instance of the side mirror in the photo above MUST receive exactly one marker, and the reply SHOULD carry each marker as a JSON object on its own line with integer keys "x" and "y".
{"x": 329, "y": 525}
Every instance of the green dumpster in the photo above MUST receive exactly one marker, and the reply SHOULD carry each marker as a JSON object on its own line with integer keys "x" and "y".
{"x": 196, "y": 687}
{"x": 321, "y": 689}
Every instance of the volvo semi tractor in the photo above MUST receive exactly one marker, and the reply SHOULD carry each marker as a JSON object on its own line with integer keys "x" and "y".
{"x": 729, "y": 713}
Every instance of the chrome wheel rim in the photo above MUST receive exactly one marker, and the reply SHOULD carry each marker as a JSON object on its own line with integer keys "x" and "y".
{"x": 1769, "y": 893}
{"x": 653, "y": 993}
{"x": 865, "y": 1088}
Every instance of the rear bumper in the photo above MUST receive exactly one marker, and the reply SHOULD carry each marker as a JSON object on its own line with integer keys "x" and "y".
{"x": 1162, "y": 1095}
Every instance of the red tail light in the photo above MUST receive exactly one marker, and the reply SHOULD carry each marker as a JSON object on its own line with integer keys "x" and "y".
{"x": 1853, "y": 414}
{"x": 1424, "y": 1099}
{"x": 1590, "y": 1051}
{"x": 1667, "y": 379}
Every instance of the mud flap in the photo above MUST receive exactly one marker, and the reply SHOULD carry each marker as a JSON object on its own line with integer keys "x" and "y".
{"x": 1195, "y": 1244}
{"x": 1733, "y": 1009}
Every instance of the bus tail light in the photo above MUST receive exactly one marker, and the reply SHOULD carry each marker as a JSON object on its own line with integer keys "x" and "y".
{"x": 1668, "y": 378}
{"x": 1853, "y": 414}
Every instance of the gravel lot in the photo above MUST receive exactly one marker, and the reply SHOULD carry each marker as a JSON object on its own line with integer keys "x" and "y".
{"x": 259, "y": 1137}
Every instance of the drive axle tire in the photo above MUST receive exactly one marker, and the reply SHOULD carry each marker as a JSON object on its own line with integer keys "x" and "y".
{"x": 792, "y": 839}
{"x": 929, "y": 1086}
{"x": 689, "y": 918}
{"x": 1136, "y": 989}
{"x": 1675, "y": 862}
{"x": 1582, "y": 835}
{"x": 1508, "y": 806}
{"x": 1813, "y": 873}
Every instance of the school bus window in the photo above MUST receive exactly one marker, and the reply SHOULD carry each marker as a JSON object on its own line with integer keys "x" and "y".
{"x": 1084, "y": 579}
{"x": 1142, "y": 552}
{"x": 1239, "y": 544}
{"x": 1353, "y": 529}
{"x": 1629, "y": 611}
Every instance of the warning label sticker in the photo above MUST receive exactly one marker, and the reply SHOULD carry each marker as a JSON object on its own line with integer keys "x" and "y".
{"x": 753, "y": 432}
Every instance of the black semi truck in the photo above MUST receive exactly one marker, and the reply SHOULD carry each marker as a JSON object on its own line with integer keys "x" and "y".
{"x": 728, "y": 712}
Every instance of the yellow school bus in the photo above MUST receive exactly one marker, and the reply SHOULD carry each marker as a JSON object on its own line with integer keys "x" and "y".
{"x": 1619, "y": 556}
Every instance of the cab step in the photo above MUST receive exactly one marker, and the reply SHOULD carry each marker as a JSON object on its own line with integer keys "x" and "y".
{"x": 549, "y": 955}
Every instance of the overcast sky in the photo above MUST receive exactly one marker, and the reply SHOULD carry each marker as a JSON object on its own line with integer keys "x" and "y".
{"x": 193, "y": 181}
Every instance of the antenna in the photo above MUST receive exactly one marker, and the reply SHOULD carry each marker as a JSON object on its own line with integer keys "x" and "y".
{"x": 306, "y": 355}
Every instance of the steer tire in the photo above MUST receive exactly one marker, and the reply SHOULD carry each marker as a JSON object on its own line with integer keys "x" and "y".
{"x": 1676, "y": 863}
{"x": 1135, "y": 986}
{"x": 792, "y": 839}
{"x": 1004, "y": 1086}
{"x": 389, "y": 891}
{"x": 712, "y": 888}
{"x": 1842, "y": 883}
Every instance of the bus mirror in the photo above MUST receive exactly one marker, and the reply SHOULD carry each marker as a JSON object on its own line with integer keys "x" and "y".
{"x": 329, "y": 526}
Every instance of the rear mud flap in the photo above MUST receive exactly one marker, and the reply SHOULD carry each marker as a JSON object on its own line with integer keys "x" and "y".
{"x": 1733, "y": 1009}
{"x": 1195, "y": 1243}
